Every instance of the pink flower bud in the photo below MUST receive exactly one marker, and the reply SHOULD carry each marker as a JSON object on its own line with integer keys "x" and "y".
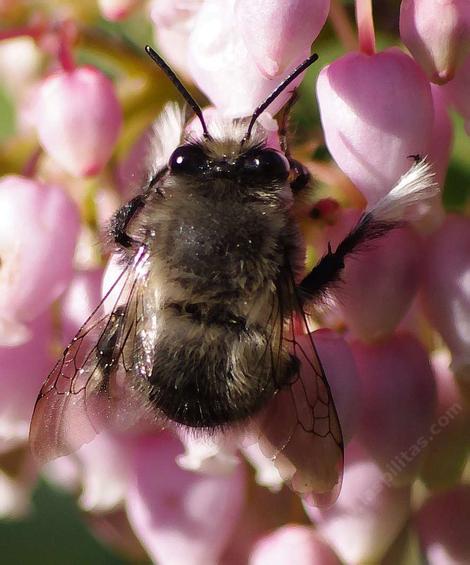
{"x": 376, "y": 111}
{"x": 399, "y": 399}
{"x": 437, "y": 32}
{"x": 116, "y": 10}
{"x": 446, "y": 455}
{"x": 276, "y": 32}
{"x": 446, "y": 288}
{"x": 380, "y": 283}
{"x": 368, "y": 514}
{"x": 224, "y": 68}
{"x": 458, "y": 92}
{"x": 299, "y": 545}
{"x": 38, "y": 231}
{"x": 78, "y": 119}
{"x": 442, "y": 524}
{"x": 180, "y": 516}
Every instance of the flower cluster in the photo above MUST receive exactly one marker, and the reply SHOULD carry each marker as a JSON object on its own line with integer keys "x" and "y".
{"x": 394, "y": 340}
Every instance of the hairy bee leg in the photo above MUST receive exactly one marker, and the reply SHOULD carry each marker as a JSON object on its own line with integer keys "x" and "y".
{"x": 328, "y": 270}
{"x": 121, "y": 219}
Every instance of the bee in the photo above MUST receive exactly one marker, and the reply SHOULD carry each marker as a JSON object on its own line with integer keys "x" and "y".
{"x": 206, "y": 328}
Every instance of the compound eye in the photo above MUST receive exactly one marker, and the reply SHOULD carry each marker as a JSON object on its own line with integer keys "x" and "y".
{"x": 266, "y": 165}
{"x": 188, "y": 160}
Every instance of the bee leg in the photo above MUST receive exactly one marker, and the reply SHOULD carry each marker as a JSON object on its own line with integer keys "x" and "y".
{"x": 121, "y": 219}
{"x": 328, "y": 270}
{"x": 299, "y": 176}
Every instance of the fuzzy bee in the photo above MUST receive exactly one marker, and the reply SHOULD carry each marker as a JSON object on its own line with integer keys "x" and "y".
{"x": 206, "y": 327}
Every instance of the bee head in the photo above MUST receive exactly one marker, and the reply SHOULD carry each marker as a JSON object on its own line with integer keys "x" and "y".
{"x": 250, "y": 166}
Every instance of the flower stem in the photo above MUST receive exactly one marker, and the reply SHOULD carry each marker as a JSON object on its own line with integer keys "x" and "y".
{"x": 67, "y": 34}
{"x": 29, "y": 170}
{"x": 365, "y": 26}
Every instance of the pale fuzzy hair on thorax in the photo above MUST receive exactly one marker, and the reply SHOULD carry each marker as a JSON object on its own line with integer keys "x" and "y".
{"x": 168, "y": 133}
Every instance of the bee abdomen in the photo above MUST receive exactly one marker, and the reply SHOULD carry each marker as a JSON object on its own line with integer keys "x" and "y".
{"x": 209, "y": 377}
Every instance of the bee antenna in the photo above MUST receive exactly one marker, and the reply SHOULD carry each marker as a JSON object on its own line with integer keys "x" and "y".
{"x": 275, "y": 93}
{"x": 179, "y": 86}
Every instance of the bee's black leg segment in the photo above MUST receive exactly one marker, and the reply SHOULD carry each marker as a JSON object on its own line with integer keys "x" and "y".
{"x": 299, "y": 175}
{"x": 121, "y": 219}
{"x": 328, "y": 271}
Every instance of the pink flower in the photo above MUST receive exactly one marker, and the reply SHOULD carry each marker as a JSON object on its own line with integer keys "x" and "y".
{"x": 380, "y": 283}
{"x": 22, "y": 371}
{"x": 442, "y": 525}
{"x": 447, "y": 452}
{"x": 369, "y": 512}
{"x": 299, "y": 545}
{"x": 226, "y": 54}
{"x": 78, "y": 119}
{"x": 376, "y": 111}
{"x": 446, "y": 288}
{"x": 38, "y": 232}
{"x": 399, "y": 400}
{"x": 181, "y": 517}
{"x": 174, "y": 21}
{"x": 437, "y": 33}
{"x": 276, "y": 32}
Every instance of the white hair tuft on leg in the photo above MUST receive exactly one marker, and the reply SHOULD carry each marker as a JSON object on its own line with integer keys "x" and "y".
{"x": 410, "y": 198}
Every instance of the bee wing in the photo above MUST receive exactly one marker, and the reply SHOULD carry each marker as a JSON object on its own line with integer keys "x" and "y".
{"x": 299, "y": 429}
{"x": 81, "y": 394}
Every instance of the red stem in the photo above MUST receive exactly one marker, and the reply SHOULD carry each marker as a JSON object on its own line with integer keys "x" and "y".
{"x": 365, "y": 26}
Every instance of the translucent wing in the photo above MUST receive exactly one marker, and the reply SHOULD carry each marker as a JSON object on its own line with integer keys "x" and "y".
{"x": 94, "y": 384}
{"x": 299, "y": 429}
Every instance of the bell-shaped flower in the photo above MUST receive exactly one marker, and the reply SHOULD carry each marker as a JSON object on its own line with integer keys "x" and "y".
{"x": 38, "y": 231}
{"x": 276, "y": 32}
{"x": 442, "y": 525}
{"x": 376, "y": 111}
{"x": 221, "y": 58}
{"x": 458, "y": 92}
{"x": 78, "y": 118}
{"x": 181, "y": 517}
{"x": 437, "y": 34}
{"x": 174, "y": 21}
{"x": 446, "y": 288}
{"x": 293, "y": 543}
{"x": 399, "y": 402}
{"x": 446, "y": 455}
{"x": 379, "y": 284}
{"x": 368, "y": 514}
